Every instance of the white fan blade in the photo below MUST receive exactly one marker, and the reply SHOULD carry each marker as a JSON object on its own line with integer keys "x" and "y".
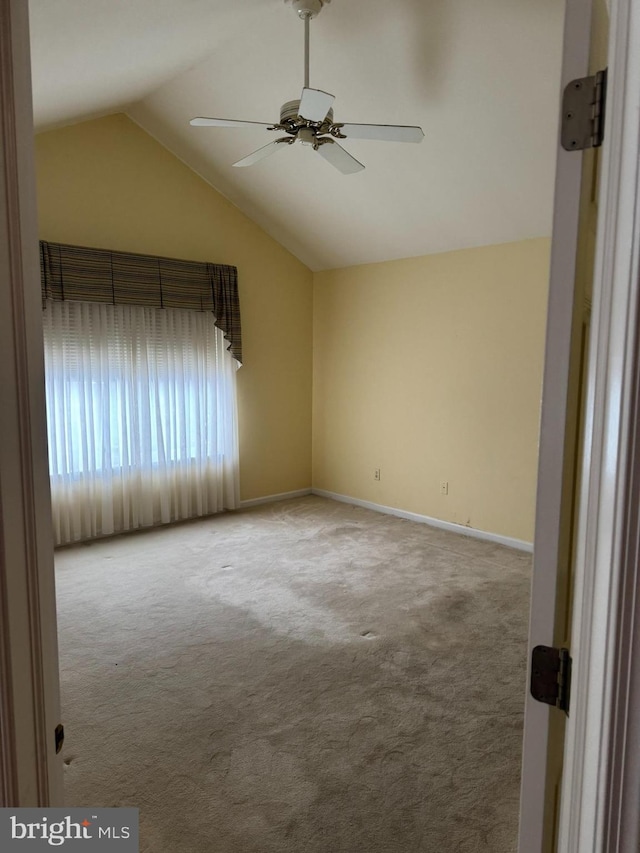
{"x": 261, "y": 153}
{"x": 226, "y": 122}
{"x": 315, "y": 104}
{"x": 338, "y": 157}
{"x": 383, "y": 132}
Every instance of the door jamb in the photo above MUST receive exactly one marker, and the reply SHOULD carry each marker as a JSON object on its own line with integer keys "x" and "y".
{"x": 551, "y": 540}
{"x": 601, "y": 782}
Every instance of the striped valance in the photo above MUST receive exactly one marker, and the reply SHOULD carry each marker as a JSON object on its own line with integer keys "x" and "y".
{"x": 99, "y": 275}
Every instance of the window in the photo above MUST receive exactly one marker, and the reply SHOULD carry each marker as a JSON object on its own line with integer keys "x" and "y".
{"x": 141, "y": 413}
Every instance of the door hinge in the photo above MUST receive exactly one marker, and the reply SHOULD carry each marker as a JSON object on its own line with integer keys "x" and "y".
{"x": 59, "y": 736}
{"x": 551, "y": 676}
{"x": 583, "y": 112}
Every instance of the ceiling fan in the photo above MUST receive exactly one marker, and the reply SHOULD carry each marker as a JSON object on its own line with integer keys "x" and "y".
{"x": 310, "y": 120}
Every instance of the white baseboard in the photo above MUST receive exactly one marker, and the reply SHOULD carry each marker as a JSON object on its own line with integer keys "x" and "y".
{"x": 520, "y": 544}
{"x": 282, "y": 496}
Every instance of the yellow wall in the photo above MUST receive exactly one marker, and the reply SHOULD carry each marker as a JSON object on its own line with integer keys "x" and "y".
{"x": 430, "y": 369}
{"x": 106, "y": 183}
{"x": 427, "y": 368}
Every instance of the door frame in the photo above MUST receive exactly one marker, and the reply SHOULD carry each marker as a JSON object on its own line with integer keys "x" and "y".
{"x": 551, "y": 547}
{"x": 601, "y": 781}
{"x": 30, "y": 769}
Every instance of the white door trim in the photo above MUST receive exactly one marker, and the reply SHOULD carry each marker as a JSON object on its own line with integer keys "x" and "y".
{"x": 30, "y": 772}
{"x": 549, "y": 545}
{"x": 599, "y": 811}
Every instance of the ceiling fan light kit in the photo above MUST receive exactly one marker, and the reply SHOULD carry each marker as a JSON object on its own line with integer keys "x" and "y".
{"x": 309, "y": 120}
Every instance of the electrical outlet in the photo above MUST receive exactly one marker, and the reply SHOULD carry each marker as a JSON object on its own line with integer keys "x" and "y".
{"x": 376, "y": 474}
{"x": 444, "y": 487}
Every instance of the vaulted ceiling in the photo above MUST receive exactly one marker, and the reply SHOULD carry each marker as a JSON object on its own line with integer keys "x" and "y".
{"x": 480, "y": 76}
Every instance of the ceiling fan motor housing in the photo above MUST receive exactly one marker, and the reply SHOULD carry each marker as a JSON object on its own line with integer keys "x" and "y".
{"x": 307, "y": 8}
{"x": 289, "y": 112}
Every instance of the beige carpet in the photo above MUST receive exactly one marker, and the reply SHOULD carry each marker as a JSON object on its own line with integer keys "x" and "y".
{"x": 302, "y": 677}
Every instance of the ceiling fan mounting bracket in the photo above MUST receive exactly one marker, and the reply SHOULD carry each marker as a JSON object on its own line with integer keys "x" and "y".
{"x": 307, "y": 8}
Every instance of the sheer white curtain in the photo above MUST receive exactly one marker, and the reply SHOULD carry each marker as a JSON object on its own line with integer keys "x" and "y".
{"x": 141, "y": 412}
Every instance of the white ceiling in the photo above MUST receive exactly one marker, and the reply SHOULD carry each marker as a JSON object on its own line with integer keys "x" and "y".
{"x": 480, "y": 76}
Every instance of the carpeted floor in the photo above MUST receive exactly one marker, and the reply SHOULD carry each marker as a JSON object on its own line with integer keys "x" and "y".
{"x": 301, "y": 677}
